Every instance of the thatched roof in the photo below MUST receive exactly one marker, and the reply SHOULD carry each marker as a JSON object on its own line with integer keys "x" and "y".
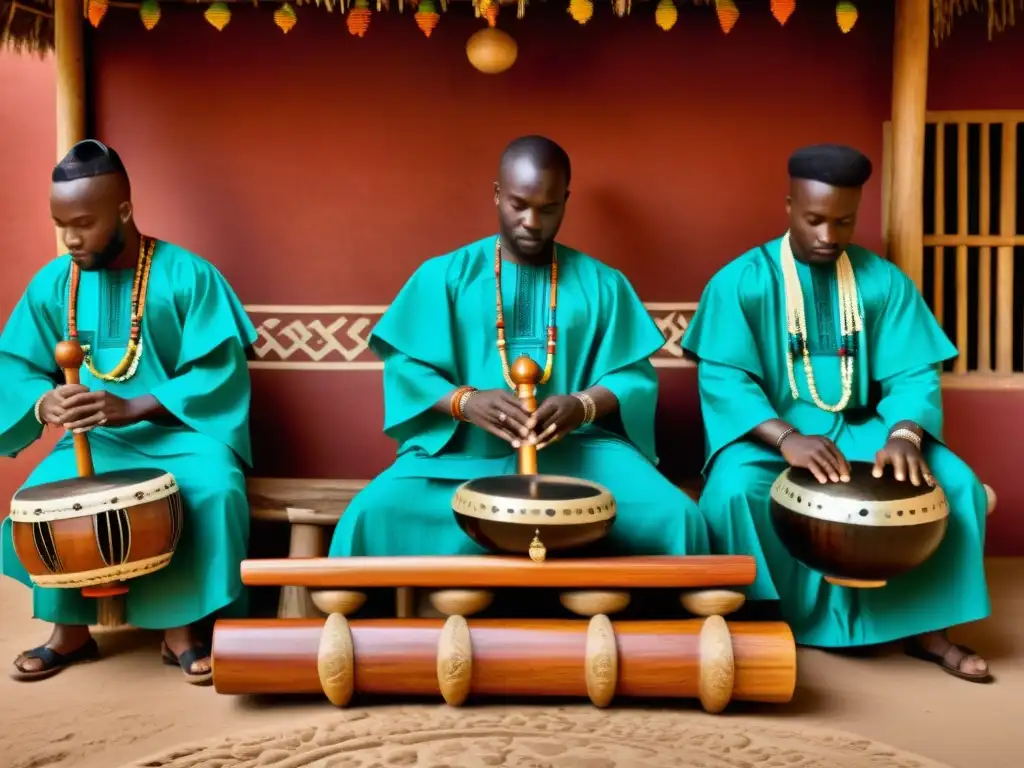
{"x": 27, "y": 25}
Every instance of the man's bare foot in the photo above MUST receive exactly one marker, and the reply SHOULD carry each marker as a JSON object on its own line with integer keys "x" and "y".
{"x": 68, "y": 644}
{"x": 958, "y": 660}
{"x": 184, "y": 648}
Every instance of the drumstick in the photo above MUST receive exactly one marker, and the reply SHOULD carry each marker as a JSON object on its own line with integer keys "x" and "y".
{"x": 69, "y": 356}
{"x": 525, "y": 373}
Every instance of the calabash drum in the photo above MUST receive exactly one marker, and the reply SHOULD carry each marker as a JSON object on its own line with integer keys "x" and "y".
{"x": 861, "y": 533}
{"x": 90, "y": 531}
{"x": 510, "y": 513}
{"x": 529, "y": 513}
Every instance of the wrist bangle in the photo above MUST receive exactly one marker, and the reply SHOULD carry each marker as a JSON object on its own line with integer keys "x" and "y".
{"x": 906, "y": 434}
{"x": 38, "y": 405}
{"x": 783, "y": 436}
{"x": 589, "y": 407}
{"x": 457, "y": 404}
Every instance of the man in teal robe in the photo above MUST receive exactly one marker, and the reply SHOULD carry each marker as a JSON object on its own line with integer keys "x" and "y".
{"x": 183, "y": 408}
{"x": 755, "y": 425}
{"x": 595, "y": 418}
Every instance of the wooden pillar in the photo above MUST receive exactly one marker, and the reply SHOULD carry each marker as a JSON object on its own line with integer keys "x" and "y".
{"x": 909, "y": 99}
{"x": 68, "y": 34}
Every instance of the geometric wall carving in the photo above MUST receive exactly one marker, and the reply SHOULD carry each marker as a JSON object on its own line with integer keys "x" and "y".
{"x": 334, "y": 337}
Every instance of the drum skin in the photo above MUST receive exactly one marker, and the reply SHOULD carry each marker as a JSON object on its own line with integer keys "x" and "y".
{"x": 869, "y": 529}
{"x": 506, "y": 513}
{"x": 94, "y": 530}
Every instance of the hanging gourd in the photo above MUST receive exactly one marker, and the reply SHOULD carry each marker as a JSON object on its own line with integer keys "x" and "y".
{"x": 218, "y": 15}
{"x": 358, "y": 21}
{"x": 666, "y": 15}
{"x": 728, "y": 14}
{"x": 846, "y": 15}
{"x": 581, "y": 10}
{"x": 782, "y": 10}
{"x": 285, "y": 18}
{"x": 97, "y": 10}
{"x": 149, "y": 12}
{"x": 426, "y": 16}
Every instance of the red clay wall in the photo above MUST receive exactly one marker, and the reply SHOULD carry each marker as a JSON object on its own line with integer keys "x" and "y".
{"x": 320, "y": 169}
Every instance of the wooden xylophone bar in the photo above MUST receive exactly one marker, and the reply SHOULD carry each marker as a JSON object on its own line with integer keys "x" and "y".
{"x": 709, "y": 659}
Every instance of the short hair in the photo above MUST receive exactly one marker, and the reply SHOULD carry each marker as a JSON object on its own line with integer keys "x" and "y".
{"x": 834, "y": 164}
{"x": 542, "y": 150}
{"x": 86, "y": 159}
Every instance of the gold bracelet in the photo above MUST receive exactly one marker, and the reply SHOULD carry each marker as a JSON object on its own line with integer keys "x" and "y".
{"x": 589, "y": 407}
{"x": 906, "y": 434}
{"x": 458, "y": 401}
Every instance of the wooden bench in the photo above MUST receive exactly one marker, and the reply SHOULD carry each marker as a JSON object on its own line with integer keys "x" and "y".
{"x": 312, "y": 507}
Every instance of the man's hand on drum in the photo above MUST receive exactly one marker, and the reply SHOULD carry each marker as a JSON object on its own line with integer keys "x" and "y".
{"x": 818, "y": 454}
{"x": 906, "y": 461}
{"x": 556, "y": 417}
{"x": 85, "y": 409}
{"x": 500, "y": 413}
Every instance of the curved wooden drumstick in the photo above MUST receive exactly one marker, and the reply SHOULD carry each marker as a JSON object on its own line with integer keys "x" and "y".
{"x": 69, "y": 356}
{"x": 525, "y": 374}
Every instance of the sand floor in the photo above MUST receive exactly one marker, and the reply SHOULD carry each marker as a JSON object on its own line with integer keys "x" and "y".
{"x": 129, "y": 706}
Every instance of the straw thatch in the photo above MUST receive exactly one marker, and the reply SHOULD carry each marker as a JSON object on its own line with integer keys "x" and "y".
{"x": 27, "y": 25}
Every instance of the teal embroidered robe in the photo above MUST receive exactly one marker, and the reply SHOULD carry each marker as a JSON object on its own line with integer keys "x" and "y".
{"x": 739, "y": 336}
{"x": 194, "y": 335}
{"x": 439, "y": 333}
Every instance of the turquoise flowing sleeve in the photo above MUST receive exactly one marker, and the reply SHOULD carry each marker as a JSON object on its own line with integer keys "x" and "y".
{"x": 419, "y": 360}
{"x": 904, "y": 334}
{"x": 913, "y": 395}
{"x": 729, "y": 370}
{"x": 621, "y": 361}
{"x": 27, "y": 366}
{"x": 210, "y": 389}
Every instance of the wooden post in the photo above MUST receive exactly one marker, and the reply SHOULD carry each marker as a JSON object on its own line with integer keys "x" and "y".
{"x": 68, "y": 34}
{"x": 909, "y": 98}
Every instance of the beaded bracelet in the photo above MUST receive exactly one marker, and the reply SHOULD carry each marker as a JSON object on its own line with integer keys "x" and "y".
{"x": 589, "y": 407}
{"x": 783, "y": 436}
{"x": 906, "y": 434}
{"x": 457, "y": 404}
{"x": 38, "y": 405}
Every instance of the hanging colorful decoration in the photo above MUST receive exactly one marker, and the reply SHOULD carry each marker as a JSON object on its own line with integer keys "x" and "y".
{"x": 149, "y": 12}
{"x": 728, "y": 14}
{"x": 358, "y": 21}
{"x": 666, "y": 15}
{"x": 97, "y": 9}
{"x": 581, "y": 10}
{"x": 285, "y": 18}
{"x": 490, "y": 50}
{"x": 622, "y": 7}
{"x": 782, "y": 10}
{"x": 218, "y": 15}
{"x": 846, "y": 15}
{"x": 426, "y": 16}
{"x": 491, "y": 14}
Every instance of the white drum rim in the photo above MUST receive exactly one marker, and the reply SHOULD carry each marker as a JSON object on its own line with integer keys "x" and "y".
{"x": 470, "y": 503}
{"x": 154, "y": 489}
{"x": 98, "y": 576}
{"x": 927, "y": 508}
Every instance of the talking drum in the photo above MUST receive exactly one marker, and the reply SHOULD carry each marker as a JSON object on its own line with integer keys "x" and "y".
{"x": 860, "y": 533}
{"x": 528, "y": 513}
{"x": 88, "y": 532}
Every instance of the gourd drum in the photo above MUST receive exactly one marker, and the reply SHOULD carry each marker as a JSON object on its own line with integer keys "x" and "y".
{"x": 89, "y": 531}
{"x": 860, "y": 533}
{"x": 529, "y": 513}
{"x": 511, "y": 512}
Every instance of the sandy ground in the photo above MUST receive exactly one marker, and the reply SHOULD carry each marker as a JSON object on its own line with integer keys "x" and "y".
{"x": 129, "y": 706}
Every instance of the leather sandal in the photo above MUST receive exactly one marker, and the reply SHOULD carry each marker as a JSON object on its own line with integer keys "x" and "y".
{"x": 54, "y": 661}
{"x": 950, "y": 661}
{"x": 187, "y": 659}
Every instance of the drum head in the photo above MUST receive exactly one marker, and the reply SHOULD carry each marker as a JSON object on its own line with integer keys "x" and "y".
{"x": 530, "y": 487}
{"x": 534, "y": 500}
{"x": 104, "y": 483}
{"x": 81, "y": 496}
{"x": 863, "y": 486}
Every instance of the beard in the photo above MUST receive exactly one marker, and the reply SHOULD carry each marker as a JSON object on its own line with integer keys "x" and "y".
{"x": 109, "y": 252}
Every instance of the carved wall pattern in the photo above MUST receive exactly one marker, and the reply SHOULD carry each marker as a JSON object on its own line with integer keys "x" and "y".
{"x": 335, "y": 338}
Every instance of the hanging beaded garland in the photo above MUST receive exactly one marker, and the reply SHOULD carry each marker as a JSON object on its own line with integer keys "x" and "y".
{"x": 500, "y": 324}
{"x": 849, "y": 326}
{"x": 130, "y": 362}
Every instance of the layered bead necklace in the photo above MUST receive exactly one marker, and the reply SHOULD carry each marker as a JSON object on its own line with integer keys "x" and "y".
{"x": 125, "y": 369}
{"x": 500, "y": 324}
{"x": 849, "y": 326}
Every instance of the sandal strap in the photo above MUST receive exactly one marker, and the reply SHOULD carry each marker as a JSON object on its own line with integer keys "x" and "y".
{"x": 52, "y": 658}
{"x": 192, "y": 655}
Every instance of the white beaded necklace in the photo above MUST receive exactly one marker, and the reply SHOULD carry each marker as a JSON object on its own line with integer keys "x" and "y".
{"x": 849, "y": 325}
